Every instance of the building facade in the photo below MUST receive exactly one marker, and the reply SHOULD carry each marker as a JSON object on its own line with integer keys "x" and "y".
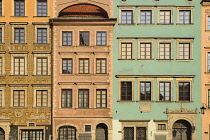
{"x": 156, "y": 70}
{"x": 25, "y": 69}
{"x": 82, "y": 72}
{"x": 205, "y": 65}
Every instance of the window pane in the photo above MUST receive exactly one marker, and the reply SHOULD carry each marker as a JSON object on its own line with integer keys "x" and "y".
{"x": 84, "y": 38}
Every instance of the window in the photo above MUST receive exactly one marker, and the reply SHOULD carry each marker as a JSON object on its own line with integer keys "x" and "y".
{"x": 19, "y": 36}
{"x": 19, "y": 8}
{"x": 100, "y": 66}
{"x": 19, "y": 66}
{"x": 18, "y": 98}
{"x": 1, "y": 98}
{"x": 165, "y": 16}
{"x": 83, "y": 65}
{"x": 29, "y": 134}
{"x": 42, "y": 35}
{"x": 41, "y": 98}
{"x": 101, "y": 98}
{"x": 145, "y": 51}
{"x": 42, "y": 66}
{"x": 83, "y": 98}
{"x": 184, "y": 91}
{"x": 161, "y": 126}
{"x": 209, "y": 98}
{"x": 208, "y": 62}
{"x": 145, "y": 91}
{"x": 87, "y": 128}
{"x": 185, "y": 17}
{"x": 0, "y": 7}
{"x": 126, "y": 91}
{"x": 127, "y": 17}
{"x": 67, "y": 38}
{"x": 1, "y": 66}
{"x": 165, "y": 51}
{"x": 184, "y": 50}
{"x": 84, "y": 38}
{"x": 42, "y": 8}
{"x": 66, "y": 66}
{"x": 1, "y": 35}
{"x": 134, "y": 133}
{"x": 67, "y": 133}
{"x": 66, "y": 98}
{"x": 126, "y": 50}
{"x": 146, "y": 17}
{"x": 208, "y": 23}
{"x": 165, "y": 91}
{"x": 101, "y": 39}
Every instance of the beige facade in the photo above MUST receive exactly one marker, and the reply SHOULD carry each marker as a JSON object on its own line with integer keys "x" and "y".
{"x": 82, "y": 101}
{"x": 25, "y": 90}
{"x": 205, "y": 59}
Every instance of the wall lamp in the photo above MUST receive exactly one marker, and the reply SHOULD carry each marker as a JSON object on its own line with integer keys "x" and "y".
{"x": 203, "y": 109}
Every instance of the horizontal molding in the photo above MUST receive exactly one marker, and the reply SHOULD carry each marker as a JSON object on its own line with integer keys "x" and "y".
{"x": 18, "y": 85}
{"x": 2, "y": 52}
{"x": 40, "y": 23}
{"x": 18, "y": 52}
{"x": 83, "y": 83}
{"x": 41, "y": 85}
{"x": 154, "y": 76}
{"x": 18, "y": 23}
{"x": 3, "y": 85}
{"x": 134, "y": 120}
{"x": 41, "y": 52}
{"x": 85, "y": 52}
{"x": 2, "y": 23}
{"x": 155, "y": 38}
{"x": 154, "y": 6}
{"x": 160, "y": 120}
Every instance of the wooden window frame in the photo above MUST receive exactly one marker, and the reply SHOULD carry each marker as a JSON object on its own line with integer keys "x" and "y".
{"x": 83, "y": 99}
{"x": 184, "y": 16}
{"x": 99, "y": 38}
{"x": 145, "y": 96}
{"x": 40, "y": 34}
{"x": 64, "y": 93}
{"x": 30, "y": 132}
{"x": 85, "y": 36}
{"x": 19, "y": 94}
{"x": 20, "y": 34}
{"x": 68, "y": 38}
{"x": 18, "y": 70}
{"x": 143, "y": 16}
{"x": 126, "y": 91}
{"x": 65, "y": 130}
{"x": 68, "y": 67}
{"x": 164, "y": 16}
{"x": 127, "y": 56}
{"x": 99, "y": 66}
{"x": 126, "y": 21}
{"x": 1, "y": 65}
{"x": 145, "y": 52}
{"x": 101, "y": 99}
{"x": 18, "y": 6}
{"x": 42, "y": 66}
{"x": 189, "y": 92}
{"x": 83, "y": 67}
{"x": 42, "y": 100}
{"x": 164, "y": 52}
{"x": 41, "y": 6}
{"x": 164, "y": 91}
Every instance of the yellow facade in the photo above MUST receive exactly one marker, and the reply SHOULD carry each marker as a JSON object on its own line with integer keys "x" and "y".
{"x": 17, "y": 118}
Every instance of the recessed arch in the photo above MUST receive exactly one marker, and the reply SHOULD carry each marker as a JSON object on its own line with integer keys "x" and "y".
{"x": 2, "y": 134}
{"x": 101, "y": 131}
{"x": 182, "y": 129}
{"x": 83, "y": 10}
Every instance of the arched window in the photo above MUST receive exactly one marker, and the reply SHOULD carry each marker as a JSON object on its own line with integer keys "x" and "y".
{"x": 67, "y": 133}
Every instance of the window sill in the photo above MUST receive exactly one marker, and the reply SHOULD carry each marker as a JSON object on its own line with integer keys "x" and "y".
{"x": 184, "y": 101}
{"x": 70, "y": 108}
{"x": 18, "y": 107}
{"x": 41, "y": 43}
{"x": 41, "y": 107}
{"x": 164, "y": 59}
{"x": 42, "y": 75}
{"x": 67, "y": 74}
{"x": 145, "y": 59}
{"x": 123, "y": 101}
{"x": 41, "y": 16}
{"x": 165, "y": 24}
{"x": 145, "y": 101}
{"x": 101, "y": 74}
{"x": 184, "y": 24}
{"x": 184, "y": 59}
{"x": 84, "y": 74}
{"x": 165, "y": 101}
{"x": 208, "y": 72}
{"x": 126, "y": 59}
{"x": 146, "y": 24}
{"x": 18, "y": 75}
{"x": 18, "y": 43}
{"x": 207, "y": 30}
{"x": 19, "y": 16}
{"x": 126, "y": 24}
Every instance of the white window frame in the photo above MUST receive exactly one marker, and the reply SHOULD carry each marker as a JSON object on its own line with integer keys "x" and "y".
{"x": 120, "y": 49}
{"x": 190, "y": 41}
{"x": 12, "y": 62}
{"x": 48, "y": 62}
{"x": 151, "y": 41}
{"x": 48, "y": 89}
{"x": 3, "y": 96}
{"x": 191, "y": 16}
{"x": 2, "y": 55}
{"x": 165, "y": 9}
{"x": 25, "y": 89}
{"x": 170, "y": 41}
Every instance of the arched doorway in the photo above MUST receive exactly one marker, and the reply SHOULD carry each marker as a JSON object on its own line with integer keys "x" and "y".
{"x": 2, "y": 134}
{"x": 101, "y": 132}
{"x": 182, "y": 130}
{"x": 67, "y": 133}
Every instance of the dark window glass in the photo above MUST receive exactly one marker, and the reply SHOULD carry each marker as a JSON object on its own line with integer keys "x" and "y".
{"x": 1, "y": 66}
{"x": 41, "y": 98}
{"x": 18, "y": 98}
{"x": 67, "y": 66}
{"x": 101, "y": 98}
{"x": 126, "y": 91}
{"x": 161, "y": 127}
{"x": 128, "y": 133}
{"x": 19, "y": 35}
{"x": 208, "y": 23}
{"x": 127, "y": 16}
{"x": 84, "y": 65}
{"x": 208, "y": 61}
{"x": 42, "y": 66}
{"x": 0, "y": 7}
{"x": 84, "y": 38}
{"x": 184, "y": 91}
{"x": 67, "y": 38}
{"x": 185, "y": 17}
{"x": 0, "y": 35}
{"x": 83, "y": 98}
{"x": 42, "y": 35}
{"x": 165, "y": 91}
{"x": 101, "y": 39}
{"x": 66, "y": 98}
{"x": 100, "y": 66}
{"x": 41, "y": 7}
{"x": 67, "y": 133}
{"x": 209, "y": 98}
{"x": 19, "y": 8}
{"x": 146, "y": 17}
{"x": 87, "y": 128}
{"x": 126, "y": 51}
{"x": 32, "y": 134}
{"x": 19, "y": 66}
{"x": 1, "y": 99}
{"x": 140, "y": 133}
{"x": 145, "y": 88}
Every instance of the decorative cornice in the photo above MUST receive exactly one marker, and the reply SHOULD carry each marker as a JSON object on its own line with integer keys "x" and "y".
{"x": 181, "y": 111}
{"x": 18, "y": 85}
{"x": 154, "y": 76}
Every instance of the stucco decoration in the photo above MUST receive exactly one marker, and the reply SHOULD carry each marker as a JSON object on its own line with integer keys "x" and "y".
{"x": 2, "y": 117}
{"x": 145, "y": 108}
{"x": 181, "y": 111}
{"x": 37, "y": 116}
{"x": 18, "y": 113}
